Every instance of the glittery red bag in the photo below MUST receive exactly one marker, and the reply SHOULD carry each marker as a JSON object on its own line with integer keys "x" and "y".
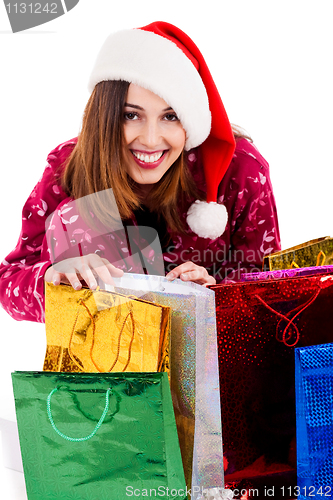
{"x": 258, "y": 325}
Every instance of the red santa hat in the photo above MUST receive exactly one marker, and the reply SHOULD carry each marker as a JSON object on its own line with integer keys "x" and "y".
{"x": 163, "y": 59}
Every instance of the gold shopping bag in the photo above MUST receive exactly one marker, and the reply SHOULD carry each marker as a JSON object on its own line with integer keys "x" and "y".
{"x": 318, "y": 252}
{"x": 102, "y": 331}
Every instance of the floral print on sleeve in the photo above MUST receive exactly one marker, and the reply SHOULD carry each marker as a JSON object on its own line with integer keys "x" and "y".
{"x": 253, "y": 230}
{"x": 22, "y": 271}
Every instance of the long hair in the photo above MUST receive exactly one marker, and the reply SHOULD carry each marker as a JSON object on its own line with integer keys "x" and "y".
{"x": 240, "y": 133}
{"x": 98, "y": 162}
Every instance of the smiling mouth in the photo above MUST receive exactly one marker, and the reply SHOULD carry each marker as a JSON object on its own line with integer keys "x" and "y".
{"x": 148, "y": 161}
{"x": 146, "y": 158}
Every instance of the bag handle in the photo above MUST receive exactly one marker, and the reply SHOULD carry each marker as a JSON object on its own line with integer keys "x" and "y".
{"x": 129, "y": 315}
{"x": 318, "y": 264}
{"x": 321, "y": 254}
{"x": 290, "y": 322}
{"x": 77, "y": 440}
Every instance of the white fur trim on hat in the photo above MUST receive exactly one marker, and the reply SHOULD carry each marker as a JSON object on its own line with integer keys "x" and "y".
{"x": 207, "y": 220}
{"x": 157, "y": 64}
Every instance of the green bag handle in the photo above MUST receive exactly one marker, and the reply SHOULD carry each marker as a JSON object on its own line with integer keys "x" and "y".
{"x": 77, "y": 440}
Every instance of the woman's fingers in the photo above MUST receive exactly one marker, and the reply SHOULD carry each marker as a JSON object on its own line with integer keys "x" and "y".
{"x": 183, "y": 269}
{"x": 67, "y": 271}
{"x": 53, "y": 276}
{"x": 209, "y": 281}
{"x": 56, "y": 278}
{"x": 114, "y": 271}
{"x": 85, "y": 268}
{"x": 73, "y": 280}
{"x": 88, "y": 267}
{"x": 191, "y": 272}
{"x": 104, "y": 270}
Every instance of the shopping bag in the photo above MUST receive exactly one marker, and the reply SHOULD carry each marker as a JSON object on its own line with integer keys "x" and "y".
{"x": 314, "y": 419}
{"x": 193, "y": 372}
{"x": 107, "y": 436}
{"x": 287, "y": 273}
{"x": 101, "y": 331}
{"x": 258, "y": 326}
{"x": 316, "y": 252}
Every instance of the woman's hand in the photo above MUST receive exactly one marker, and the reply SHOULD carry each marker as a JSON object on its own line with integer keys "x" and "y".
{"x": 86, "y": 268}
{"x": 191, "y": 272}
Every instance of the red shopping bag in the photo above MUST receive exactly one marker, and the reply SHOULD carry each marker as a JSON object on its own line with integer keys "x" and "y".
{"x": 258, "y": 325}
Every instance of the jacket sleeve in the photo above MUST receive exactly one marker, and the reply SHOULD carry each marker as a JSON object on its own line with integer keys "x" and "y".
{"x": 22, "y": 271}
{"x": 253, "y": 222}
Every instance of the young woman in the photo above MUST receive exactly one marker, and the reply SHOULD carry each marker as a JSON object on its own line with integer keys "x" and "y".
{"x": 157, "y": 144}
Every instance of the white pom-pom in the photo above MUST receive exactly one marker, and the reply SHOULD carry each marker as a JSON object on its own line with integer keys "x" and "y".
{"x": 207, "y": 220}
{"x": 216, "y": 494}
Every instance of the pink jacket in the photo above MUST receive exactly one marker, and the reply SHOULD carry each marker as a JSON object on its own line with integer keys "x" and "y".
{"x": 252, "y": 231}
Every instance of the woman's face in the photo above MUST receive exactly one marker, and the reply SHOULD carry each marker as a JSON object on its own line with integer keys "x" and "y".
{"x": 153, "y": 133}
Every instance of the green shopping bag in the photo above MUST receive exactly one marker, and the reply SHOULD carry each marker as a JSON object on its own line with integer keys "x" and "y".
{"x": 105, "y": 436}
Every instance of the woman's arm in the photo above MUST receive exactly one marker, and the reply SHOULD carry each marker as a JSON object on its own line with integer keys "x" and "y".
{"x": 253, "y": 229}
{"x": 22, "y": 271}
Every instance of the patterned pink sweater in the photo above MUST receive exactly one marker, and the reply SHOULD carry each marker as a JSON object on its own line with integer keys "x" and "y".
{"x": 252, "y": 230}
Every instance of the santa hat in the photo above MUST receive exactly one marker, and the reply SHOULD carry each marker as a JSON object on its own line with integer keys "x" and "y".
{"x": 163, "y": 59}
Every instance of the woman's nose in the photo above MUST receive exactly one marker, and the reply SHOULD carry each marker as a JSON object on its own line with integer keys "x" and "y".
{"x": 151, "y": 135}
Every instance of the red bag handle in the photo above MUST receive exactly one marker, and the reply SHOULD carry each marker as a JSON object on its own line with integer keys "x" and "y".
{"x": 290, "y": 322}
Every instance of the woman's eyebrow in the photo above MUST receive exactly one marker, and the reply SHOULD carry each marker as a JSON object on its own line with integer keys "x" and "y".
{"x": 133, "y": 106}
{"x": 128, "y": 105}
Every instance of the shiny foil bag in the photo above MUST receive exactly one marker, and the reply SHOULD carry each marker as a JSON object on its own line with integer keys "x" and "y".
{"x": 287, "y": 273}
{"x": 317, "y": 252}
{"x": 193, "y": 373}
{"x": 101, "y": 331}
{"x": 107, "y": 436}
{"x": 314, "y": 419}
{"x": 258, "y": 326}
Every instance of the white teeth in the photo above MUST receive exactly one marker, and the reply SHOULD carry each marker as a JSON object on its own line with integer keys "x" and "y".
{"x": 148, "y": 158}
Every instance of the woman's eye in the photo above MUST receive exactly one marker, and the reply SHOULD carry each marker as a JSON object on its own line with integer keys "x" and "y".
{"x": 171, "y": 117}
{"x": 130, "y": 116}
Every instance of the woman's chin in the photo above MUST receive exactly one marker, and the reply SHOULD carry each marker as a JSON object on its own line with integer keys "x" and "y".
{"x": 142, "y": 189}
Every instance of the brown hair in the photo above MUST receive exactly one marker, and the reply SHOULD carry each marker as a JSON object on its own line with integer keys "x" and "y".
{"x": 240, "y": 133}
{"x": 97, "y": 163}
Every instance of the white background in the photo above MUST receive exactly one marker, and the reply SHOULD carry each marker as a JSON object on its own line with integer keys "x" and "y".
{"x": 271, "y": 60}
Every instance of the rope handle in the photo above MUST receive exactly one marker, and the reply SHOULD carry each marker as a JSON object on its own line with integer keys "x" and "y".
{"x": 130, "y": 314}
{"x": 68, "y": 438}
{"x": 290, "y": 321}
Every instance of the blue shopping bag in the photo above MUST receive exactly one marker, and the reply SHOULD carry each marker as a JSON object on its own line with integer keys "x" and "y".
{"x": 314, "y": 421}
